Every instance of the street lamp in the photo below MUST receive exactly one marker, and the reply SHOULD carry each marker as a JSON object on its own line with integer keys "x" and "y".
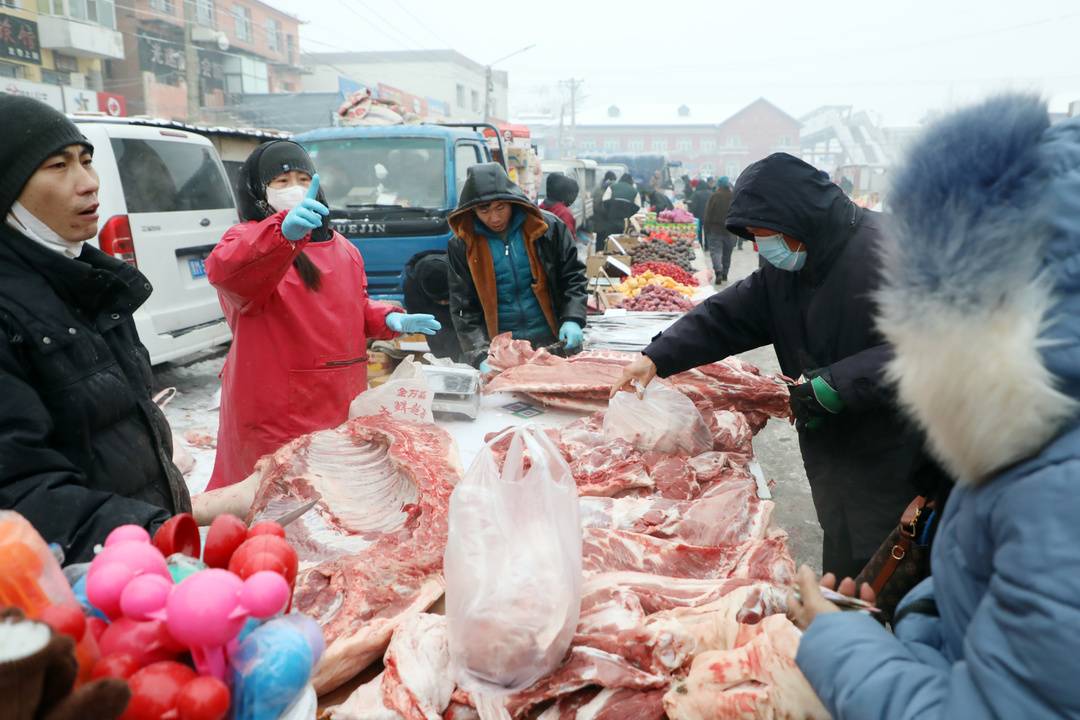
{"x": 489, "y": 85}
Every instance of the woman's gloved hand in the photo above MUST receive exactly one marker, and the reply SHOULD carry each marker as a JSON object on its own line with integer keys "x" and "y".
{"x": 404, "y": 324}
{"x": 571, "y": 334}
{"x": 484, "y": 367}
{"x": 306, "y": 216}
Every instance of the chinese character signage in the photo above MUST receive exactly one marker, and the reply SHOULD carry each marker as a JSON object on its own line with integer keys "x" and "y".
{"x": 19, "y": 40}
{"x": 48, "y": 94}
{"x": 164, "y": 58}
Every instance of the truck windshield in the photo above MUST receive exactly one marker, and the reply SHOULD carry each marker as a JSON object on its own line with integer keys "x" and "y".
{"x": 368, "y": 173}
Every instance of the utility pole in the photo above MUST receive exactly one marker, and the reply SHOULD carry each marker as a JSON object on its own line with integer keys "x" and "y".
{"x": 489, "y": 88}
{"x": 191, "y": 63}
{"x": 573, "y": 84}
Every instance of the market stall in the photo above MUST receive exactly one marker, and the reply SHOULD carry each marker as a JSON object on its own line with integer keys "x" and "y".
{"x": 681, "y": 569}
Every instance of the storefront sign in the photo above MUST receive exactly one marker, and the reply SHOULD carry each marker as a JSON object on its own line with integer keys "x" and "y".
{"x": 112, "y": 104}
{"x": 77, "y": 100}
{"x": 19, "y": 40}
{"x": 163, "y": 58}
{"x": 49, "y": 94}
{"x": 437, "y": 108}
{"x": 412, "y": 103}
{"x": 211, "y": 70}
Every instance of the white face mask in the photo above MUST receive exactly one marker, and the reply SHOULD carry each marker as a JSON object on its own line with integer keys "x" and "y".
{"x": 285, "y": 198}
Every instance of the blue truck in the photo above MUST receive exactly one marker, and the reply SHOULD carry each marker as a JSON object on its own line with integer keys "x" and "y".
{"x": 390, "y": 189}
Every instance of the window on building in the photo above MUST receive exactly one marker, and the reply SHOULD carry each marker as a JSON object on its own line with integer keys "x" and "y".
{"x": 732, "y": 171}
{"x": 163, "y": 6}
{"x": 204, "y": 13}
{"x": 290, "y": 48}
{"x": 707, "y": 169}
{"x": 733, "y": 141}
{"x": 659, "y": 146}
{"x": 52, "y": 77}
{"x": 588, "y": 145}
{"x": 635, "y": 145}
{"x": 273, "y": 35}
{"x": 708, "y": 146}
{"x": 785, "y": 141}
{"x": 460, "y": 95}
{"x": 684, "y": 145}
{"x": 102, "y": 12}
{"x": 245, "y": 75}
{"x": 475, "y": 101}
{"x": 242, "y": 15}
{"x": 14, "y": 4}
{"x": 11, "y": 70}
{"x": 611, "y": 144}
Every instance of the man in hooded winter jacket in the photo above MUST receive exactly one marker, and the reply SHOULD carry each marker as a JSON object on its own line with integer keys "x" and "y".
{"x": 562, "y": 191}
{"x": 985, "y": 330}
{"x": 513, "y": 268}
{"x": 812, "y": 303}
{"x": 83, "y": 448}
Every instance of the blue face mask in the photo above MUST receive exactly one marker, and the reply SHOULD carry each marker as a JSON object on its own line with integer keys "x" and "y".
{"x": 776, "y": 252}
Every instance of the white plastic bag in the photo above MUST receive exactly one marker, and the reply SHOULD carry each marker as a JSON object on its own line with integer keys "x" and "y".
{"x": 405, "y": 396}
{"x": 664, "y": 420}
{"x": 513, "y": 567}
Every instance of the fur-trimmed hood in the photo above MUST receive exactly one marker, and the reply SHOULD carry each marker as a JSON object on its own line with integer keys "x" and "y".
{"x": 981, "y": 293}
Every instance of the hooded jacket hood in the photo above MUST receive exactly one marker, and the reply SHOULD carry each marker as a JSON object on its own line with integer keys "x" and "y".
{"x": 250, "y": 187}
{"x": 486, "y": 182}
{"x": 981, "y": 293}
{"x": 561, "y": 188}
{"x": 783, "y": 193}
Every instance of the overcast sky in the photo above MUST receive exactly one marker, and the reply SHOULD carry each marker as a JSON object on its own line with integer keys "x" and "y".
{"x": 898, "y": 59}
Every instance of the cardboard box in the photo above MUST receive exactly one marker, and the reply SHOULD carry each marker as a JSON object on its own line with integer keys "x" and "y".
{"x": 608, "y": 299}
{"x": 621, "y": 244}
{"x": 597, "y": 262}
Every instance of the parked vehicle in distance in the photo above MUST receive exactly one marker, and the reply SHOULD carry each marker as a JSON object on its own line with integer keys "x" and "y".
{"x": 583, "y": 205}
{"x": 641, "y": 166}
{"x": 390, "y": 189}
{"x": 165, "y": 201}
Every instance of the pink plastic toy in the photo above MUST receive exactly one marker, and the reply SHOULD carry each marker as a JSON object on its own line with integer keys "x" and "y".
{"x": 127, "y": 555}
{"x": 207, "y": 610}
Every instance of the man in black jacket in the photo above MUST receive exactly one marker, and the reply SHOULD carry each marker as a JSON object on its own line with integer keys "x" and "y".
{"x": 83, "y": 448}
{"x": 427, "y": 290}
{"x": 812, "y": 302}
{"x": 621, "y": 201}
{"x": 513, "y": 268}
{"x": 600, "y": 219}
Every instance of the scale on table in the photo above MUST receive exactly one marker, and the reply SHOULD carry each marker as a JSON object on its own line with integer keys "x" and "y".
{"x": 456, "y": 391}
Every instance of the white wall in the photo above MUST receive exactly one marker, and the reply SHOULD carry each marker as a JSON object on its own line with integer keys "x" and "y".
{"x": 437, "y": 80}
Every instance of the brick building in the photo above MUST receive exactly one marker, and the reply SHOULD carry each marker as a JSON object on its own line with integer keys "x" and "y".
{"x": 53, "y": 50}
{"x": 708, "y": 141}
{"x": 244, "y": 47}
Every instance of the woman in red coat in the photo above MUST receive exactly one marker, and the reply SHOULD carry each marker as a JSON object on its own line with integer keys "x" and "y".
{"x": 562, "y": 191}
{"x": 294, "y": 293}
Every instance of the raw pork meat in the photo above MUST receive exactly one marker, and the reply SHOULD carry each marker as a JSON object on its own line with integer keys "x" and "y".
{"x": 416, "y": 684}
{"x": 617, "y": 550}
{"x": 731, "y": 432}
{"x": 608, "y": 704}
{"x": 755, "y": 680}
{"x": 371, "y": 550}
{"x": 558, "y": 375}
{"x": 728, "y": 517}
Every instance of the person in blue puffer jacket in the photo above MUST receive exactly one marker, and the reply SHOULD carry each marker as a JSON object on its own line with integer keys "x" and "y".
{"x": 981, "y": 301}
{"x": 513, "y": 268}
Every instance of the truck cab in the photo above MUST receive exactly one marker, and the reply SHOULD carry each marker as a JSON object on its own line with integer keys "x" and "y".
{"x": 391, "y": 188}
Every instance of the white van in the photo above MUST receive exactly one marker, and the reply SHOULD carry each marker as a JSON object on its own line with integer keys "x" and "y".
{"x": 165, "y": 201}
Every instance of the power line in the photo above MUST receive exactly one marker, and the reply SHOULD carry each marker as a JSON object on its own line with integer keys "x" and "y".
{"x": 422, "y": 24}
{"x": 386, "y": 27}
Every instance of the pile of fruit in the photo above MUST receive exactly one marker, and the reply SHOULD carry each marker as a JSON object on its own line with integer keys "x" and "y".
{"x": 677, "y": 215}
{"x": 679, "y": 252}
{"x": 654, "y": 298}
{"x": 635, "y": 284}
{"x": 671, "y": 270}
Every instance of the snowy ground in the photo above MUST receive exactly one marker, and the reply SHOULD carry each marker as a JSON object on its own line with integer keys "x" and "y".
{"x": 194, "y": 412}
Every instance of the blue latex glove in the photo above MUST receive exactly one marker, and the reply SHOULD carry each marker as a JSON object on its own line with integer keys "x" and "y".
{"x": 306, "y": 216}
{"x": 484, "y": 367}
{"x": 571, "y": 334}
{"x": 409, "y": 324}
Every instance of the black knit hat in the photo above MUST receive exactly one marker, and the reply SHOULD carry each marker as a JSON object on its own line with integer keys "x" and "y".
{"x": 431, "y": 272}
{"x": 30, "y": 131}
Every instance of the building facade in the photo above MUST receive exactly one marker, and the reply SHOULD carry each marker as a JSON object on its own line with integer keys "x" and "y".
{"x": 54, "y": 50}
{"x": 704, "y": 145}
{"x": 243, "y": 47}
{"x": 444, "y": 79}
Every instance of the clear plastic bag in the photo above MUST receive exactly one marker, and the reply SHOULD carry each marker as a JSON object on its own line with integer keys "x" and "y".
{"x": 663, "y": 420}
{"x": 513, "y": 566}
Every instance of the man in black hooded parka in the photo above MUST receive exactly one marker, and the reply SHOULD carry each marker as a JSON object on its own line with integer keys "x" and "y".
{"x": 812, "y": 302}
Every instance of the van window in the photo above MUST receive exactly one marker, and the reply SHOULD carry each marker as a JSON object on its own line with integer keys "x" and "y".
{"x": 362, "y": 172}
{"x": 162, "y": 176}
{"x": 465, "y": 156}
